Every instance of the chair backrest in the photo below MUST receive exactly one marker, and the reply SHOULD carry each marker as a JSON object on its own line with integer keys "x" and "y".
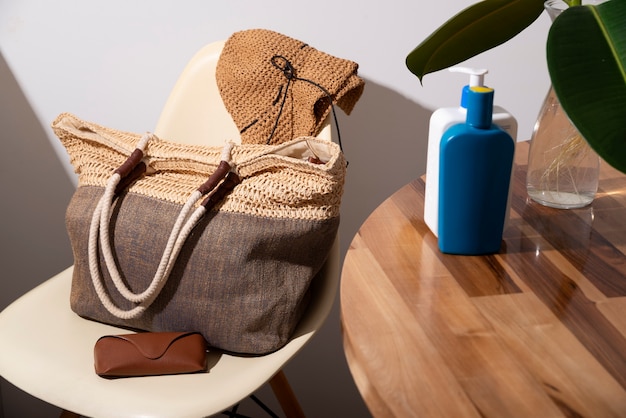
{"x": 194, "y": 112}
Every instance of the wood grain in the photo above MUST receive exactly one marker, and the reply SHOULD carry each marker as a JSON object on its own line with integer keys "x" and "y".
{"x": 538, "y": 329}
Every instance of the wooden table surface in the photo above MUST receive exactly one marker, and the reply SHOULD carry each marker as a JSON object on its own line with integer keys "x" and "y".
{"x": 537, "y": 330}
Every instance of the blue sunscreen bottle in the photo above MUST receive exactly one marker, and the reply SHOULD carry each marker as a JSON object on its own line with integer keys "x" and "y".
{"x": 475, "y": 164}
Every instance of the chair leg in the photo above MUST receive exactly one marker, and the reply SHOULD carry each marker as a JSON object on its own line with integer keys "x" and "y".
{"x": 68, "y": 414}
{"x": 286, "y": 397}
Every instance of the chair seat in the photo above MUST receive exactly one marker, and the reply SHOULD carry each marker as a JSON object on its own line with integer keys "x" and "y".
{"x": 47, "y": 350}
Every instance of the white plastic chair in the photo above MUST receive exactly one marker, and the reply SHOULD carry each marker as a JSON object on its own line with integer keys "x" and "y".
{"x": 47, "y": 350}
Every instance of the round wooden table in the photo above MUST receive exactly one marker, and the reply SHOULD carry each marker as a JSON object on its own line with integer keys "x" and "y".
{"x": 537, "y": 330}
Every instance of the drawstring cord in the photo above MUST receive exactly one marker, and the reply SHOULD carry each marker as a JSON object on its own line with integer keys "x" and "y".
{"x": 288, "y": 70}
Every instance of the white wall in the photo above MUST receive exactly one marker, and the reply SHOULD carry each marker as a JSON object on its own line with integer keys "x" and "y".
{"x": 115, "y": 62}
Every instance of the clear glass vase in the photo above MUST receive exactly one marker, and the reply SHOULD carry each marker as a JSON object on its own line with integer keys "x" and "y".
{"x": 563, "y": 170}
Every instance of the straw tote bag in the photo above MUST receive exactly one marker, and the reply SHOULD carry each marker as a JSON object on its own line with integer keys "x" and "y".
{"x": 175, "y": 237}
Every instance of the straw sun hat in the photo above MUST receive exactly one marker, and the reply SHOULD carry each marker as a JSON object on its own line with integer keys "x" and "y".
{"x": 277, "y": 88}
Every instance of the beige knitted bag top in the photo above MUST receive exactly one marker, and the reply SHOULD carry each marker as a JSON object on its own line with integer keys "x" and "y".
{"x": 277, "y": 88}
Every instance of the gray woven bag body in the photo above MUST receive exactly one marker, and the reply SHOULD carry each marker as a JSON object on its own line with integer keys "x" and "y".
{"x": 244, "y": 273}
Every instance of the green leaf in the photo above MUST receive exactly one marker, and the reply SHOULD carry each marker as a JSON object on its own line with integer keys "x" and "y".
{"x": 476, "y": 29}
{"x": 586, "y": 53}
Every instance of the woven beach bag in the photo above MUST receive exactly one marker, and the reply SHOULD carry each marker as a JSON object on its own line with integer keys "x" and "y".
{"x": 175, "y": 237}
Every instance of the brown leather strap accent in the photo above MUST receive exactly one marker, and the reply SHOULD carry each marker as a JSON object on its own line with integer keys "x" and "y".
{"x": 229, "y": 183}
{"x": 130, "y": 178}
{"x": 135, "y": 158}
{"x": 220, "y": 172}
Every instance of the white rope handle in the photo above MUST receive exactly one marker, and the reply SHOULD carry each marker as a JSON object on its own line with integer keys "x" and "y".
{"x": 185, "y": 222}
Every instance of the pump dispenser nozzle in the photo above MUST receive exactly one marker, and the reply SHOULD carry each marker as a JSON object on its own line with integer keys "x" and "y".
{"x": 477, "y": 79}
{"x": 477, "y": 76}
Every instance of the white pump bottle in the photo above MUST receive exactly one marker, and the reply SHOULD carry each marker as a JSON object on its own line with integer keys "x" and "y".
{"x": 440, "y": 121}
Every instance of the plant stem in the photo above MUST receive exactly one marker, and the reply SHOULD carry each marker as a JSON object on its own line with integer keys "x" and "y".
{"x": 571, "y": 3}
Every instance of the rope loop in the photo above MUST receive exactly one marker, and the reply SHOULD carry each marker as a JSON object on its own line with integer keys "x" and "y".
{"x": 185, "y": 222}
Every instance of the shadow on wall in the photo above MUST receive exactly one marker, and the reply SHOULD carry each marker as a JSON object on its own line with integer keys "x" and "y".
{"x": 385, "y": 141}
{"x": 35, "y": 191}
